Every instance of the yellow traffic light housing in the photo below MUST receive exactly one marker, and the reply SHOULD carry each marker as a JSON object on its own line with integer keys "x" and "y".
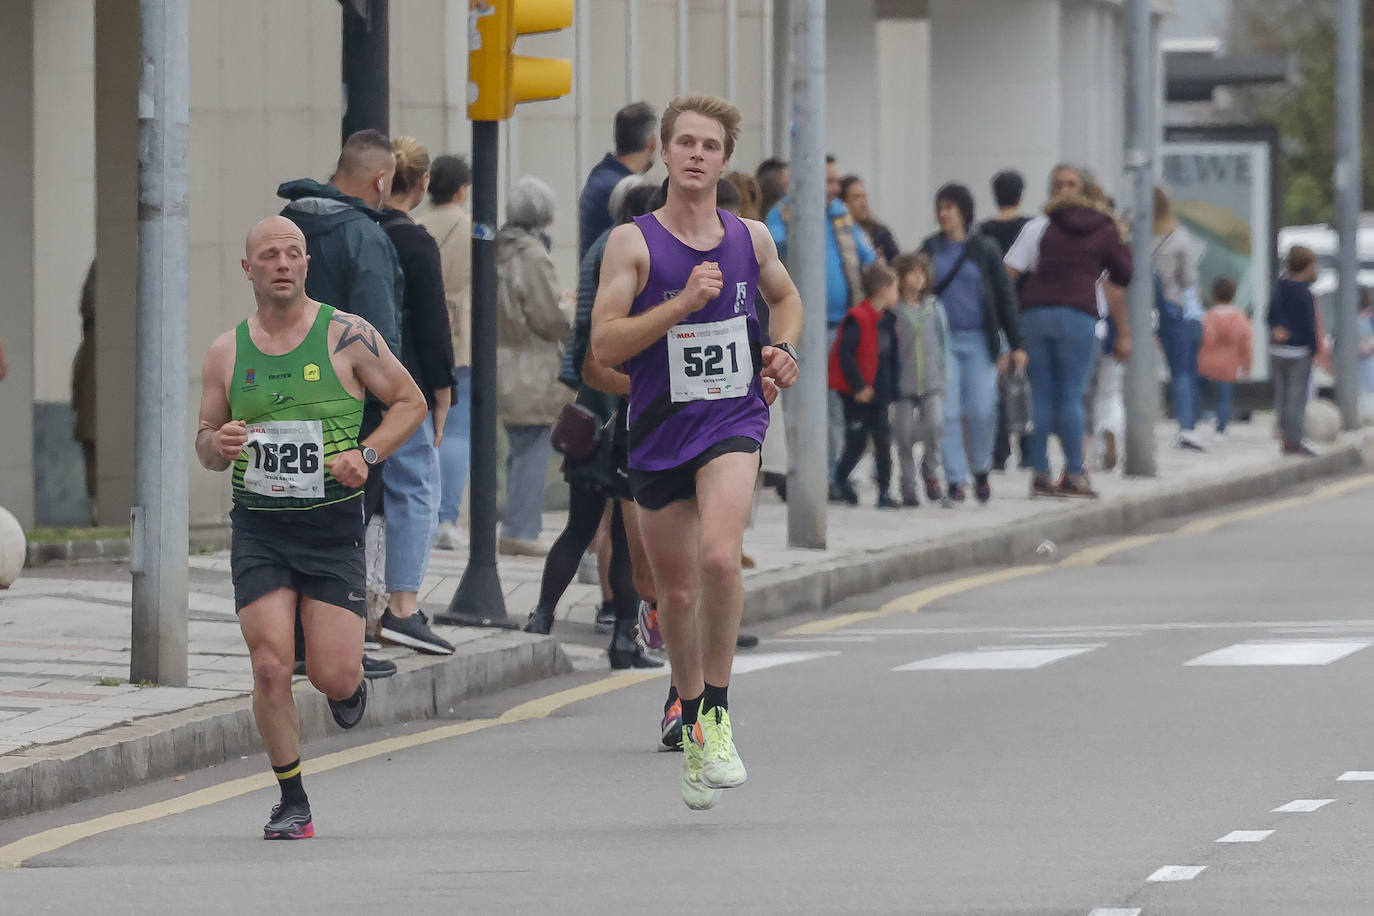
{"x": 498, "y": 78}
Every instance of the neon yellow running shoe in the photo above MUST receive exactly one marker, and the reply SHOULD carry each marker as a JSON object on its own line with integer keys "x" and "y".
{"x": 696, "y": 794}
{"x": 723, "y": 769}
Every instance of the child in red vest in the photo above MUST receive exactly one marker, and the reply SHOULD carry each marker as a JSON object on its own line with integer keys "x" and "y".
{"x": 863, "y": 369}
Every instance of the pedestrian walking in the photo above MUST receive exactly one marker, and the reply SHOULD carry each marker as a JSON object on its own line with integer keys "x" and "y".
{"x": 83, "y": 387}
{"x": 1227, "y": 350}
{"x": 1008, "y": 188}
{"x": 1293, "y": 345}
{"x": 981, "y": 306}
{"x": 1180, "y": 324}
{"x": 863, "y": 369}
{"x": 448, "y": 222}
{"x": 923, "y": 362}
{"x": 676, "y": 308}
{"x": 1065, "y": 256}
{"x": 854, "y": 193}
{"x": 532, "y": 328}
{"x": 410, "y": 477}
{"x": 282, "y": 405}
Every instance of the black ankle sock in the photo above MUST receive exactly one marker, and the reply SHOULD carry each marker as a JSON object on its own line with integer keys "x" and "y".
{"x": 289, "y": 778}
{"x": 715, "y": 697}
{"x": 689, "y": 712}
{"x": 672, "y": 698}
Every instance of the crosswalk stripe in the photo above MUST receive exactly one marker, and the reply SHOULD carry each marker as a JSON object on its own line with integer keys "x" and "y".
{"x": 758, "y": 662}
{"x": 1267, "y": 652}
{"x": 1176, "y": 873}
{"x": 1302, "y": 806}
{"x": 998, "y": 658}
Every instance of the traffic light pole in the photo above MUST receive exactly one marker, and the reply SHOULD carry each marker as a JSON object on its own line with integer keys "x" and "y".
{"x": 479, "y": 601}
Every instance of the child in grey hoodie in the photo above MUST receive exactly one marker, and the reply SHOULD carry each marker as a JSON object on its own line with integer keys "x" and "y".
{"x": 923, "y": 359}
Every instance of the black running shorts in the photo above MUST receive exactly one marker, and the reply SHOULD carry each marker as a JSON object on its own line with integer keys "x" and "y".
{"x": 317, "y": 553}
{"x": 657, "y": 489}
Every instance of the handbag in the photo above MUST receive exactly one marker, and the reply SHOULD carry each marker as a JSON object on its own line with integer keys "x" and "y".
{"x": 576, "y": 433}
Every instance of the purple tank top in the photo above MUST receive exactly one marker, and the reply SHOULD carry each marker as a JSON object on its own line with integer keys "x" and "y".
{"x": 697, "y": 386}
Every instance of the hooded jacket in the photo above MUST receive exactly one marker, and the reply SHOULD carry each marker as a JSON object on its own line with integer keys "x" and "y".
{"x": 353, "y": 265}
{"x": 531, "y": 330}
{"x": 1079, "y": 243}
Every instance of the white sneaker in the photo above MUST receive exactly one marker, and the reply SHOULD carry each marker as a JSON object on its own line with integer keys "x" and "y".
{"x": 722, "y": 767}
{"x": 448, "y": 536}
{"x": 1189, "y": 439}
{"x": 695, "y": 794}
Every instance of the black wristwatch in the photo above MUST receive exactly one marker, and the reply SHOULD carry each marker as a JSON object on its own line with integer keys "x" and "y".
{"x": 790, "y": 350}
{"x": 369, "y": 455}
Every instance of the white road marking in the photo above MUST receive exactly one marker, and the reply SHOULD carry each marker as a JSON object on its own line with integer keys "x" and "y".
{"x": 1105, "y": 630}
{"x": 1246, "y": 836}
{"x": 1356, "y": 776}
{"x": 760, "y": 661}
{"x": 1282, "y": 652}
{"x": 819, "y": 637}
{"x": 1177, "y": 873}
{"x": 999, "y": 658}
{"x": 1115, "y": 911}
{"x": 1302, "y": 806}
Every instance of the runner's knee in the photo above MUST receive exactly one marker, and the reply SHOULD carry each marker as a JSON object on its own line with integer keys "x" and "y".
{"x": 336, "y": 681}
{"x": 719, "y": 562}
{"x": 271, "y": 672}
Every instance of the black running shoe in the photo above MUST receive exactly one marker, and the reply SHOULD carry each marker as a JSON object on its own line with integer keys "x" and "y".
{"x": 348, "y": 713}
{"x": 289, "y": 822}
{"x": 605, "y": 617}
{"x": 377, "y": 667}
{"x": 413, "y": 632}
{"x": 746, "y": 641}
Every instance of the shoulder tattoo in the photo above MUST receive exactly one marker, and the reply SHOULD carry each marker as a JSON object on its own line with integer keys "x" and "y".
{"x": 355, "y": 330}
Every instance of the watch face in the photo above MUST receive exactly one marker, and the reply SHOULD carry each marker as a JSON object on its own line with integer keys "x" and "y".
{"x": 369, "y": 454}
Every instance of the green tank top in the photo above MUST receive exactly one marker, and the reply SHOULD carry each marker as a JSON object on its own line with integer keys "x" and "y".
{"x": 299, "y": 415}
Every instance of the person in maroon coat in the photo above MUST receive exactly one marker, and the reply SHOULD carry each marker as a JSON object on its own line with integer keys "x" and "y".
{"x": 1058, "y": 320}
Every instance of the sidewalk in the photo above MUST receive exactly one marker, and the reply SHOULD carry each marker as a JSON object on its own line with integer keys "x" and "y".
{"x": 71, "y": 727}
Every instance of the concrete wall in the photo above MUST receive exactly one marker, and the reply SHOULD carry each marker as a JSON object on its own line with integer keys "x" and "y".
{"x": 16, "y": 260}
{"x": 903, "y": 171}
{"x": 64, "y": 184}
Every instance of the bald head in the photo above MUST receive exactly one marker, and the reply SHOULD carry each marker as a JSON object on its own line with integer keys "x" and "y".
{"x": 275, "y": 230}
{"x": 275, "y": 262}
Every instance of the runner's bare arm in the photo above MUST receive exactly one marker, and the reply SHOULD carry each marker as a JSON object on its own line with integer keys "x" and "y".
{"x": 371, "y": 363}
{"x": 602, "y": 378}
{"x": 616, "y": 334}
{"x": 784, "y": 306}
{"x": 220, "y": 438}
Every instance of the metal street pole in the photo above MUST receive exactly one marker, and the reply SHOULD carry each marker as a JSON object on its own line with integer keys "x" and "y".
{"x": 159, "y": 526}
{"x": 479, "y": 601}
{"x": 1142, "y": 377}
{"x": 1349, "y": 190}
{"x": 366, "y": 67}
{"x": 808, "y": 483}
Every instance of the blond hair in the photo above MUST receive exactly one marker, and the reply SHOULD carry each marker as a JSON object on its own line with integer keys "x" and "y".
{"x": 708, "y": 106}
{"x": 412, "y": 161}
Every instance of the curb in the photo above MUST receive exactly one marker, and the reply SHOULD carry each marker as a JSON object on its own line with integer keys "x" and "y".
{"x": 50, "y": 553}
{"x": 425, "y": 687}
{"x": 785, "y": 592}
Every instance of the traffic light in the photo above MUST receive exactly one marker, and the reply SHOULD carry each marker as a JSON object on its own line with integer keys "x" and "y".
{"x": 498, "y": 78}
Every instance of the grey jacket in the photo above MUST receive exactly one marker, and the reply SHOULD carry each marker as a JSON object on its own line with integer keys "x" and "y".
{"x": 353, "y": 265}
{"x": 922, "y": 347}
{"x": 531, "y": 331}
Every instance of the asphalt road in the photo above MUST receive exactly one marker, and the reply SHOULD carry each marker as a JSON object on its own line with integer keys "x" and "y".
{"x": 1054, "y": 743}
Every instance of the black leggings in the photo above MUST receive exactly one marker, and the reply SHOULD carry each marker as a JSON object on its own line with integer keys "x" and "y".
{"x": 863, "y": 422}
{"x": 585, "y": 507}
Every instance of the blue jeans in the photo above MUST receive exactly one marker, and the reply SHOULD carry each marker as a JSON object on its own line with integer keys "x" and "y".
{"x": 527, "y": 471}
{"x": 1060, "y": 343}
{"x": 970, "y": 401}
{"x": 1225, "y": 395}
{"x": 410, "y": 494}
{"x": 456, "y": 449}
{"x": 1180, "y": 341}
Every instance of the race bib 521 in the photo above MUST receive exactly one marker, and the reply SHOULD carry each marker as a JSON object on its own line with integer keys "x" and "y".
{"x": 710, "y": 361}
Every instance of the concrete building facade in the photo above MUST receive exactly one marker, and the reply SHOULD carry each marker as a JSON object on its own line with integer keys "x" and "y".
{"x": 920, "y": 92}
